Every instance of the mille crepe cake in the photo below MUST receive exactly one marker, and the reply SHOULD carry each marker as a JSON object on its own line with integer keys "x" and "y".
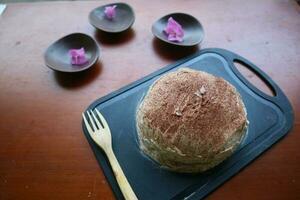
{"x": 190, "y": 121}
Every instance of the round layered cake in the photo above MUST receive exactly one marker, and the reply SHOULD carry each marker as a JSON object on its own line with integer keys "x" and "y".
{"x": 190, "y": 121}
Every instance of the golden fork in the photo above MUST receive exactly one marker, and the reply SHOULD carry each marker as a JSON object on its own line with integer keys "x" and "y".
{"x": 102, "y": 136}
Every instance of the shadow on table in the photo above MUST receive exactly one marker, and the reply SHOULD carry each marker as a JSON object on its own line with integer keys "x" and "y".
{"x": 78, "y": 79}
{"x": 110, "y": 39}
{"x": 172, "y": 52}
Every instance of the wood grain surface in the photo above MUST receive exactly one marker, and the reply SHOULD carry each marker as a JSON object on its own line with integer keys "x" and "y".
{"x": 43, "y": 151}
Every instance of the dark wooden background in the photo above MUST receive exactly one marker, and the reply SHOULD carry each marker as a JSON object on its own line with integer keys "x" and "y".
{"x": 43, "y": 152}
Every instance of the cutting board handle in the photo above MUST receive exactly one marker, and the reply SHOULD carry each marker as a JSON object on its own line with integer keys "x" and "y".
{"x": 279, "y": 99}
{"x": 232, "y": 58}
{"x": 258, "y": 72}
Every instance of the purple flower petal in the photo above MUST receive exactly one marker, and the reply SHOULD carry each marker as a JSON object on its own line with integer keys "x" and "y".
{"x": 110, "y": 12}
{"x": 174, "y": 31}
{"x": 78, "y": 56}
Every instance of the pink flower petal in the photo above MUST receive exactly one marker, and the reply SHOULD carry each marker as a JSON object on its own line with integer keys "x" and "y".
{"x": 110, "y": 12}
{"x": 78, "y": 56}
{"x": 174, "y": 31}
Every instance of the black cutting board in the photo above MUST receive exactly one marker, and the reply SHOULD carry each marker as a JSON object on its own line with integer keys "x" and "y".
{"x": 270, "y": 119}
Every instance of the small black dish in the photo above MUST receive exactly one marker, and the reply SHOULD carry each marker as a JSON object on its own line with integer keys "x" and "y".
{"x": 57, "y": 55}
{"x": 193, "y": 30}
{"x": 122, "y": 21}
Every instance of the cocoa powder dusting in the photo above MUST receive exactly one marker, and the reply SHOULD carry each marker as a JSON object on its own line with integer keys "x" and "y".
{"x": 205, "y": 105}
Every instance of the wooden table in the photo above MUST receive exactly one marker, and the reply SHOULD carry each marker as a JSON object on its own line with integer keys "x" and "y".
{"x": 43, "y": 151}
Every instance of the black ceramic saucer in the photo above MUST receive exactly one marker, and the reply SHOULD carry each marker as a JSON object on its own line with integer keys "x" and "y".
{"x": 122, "y": 21}
{"x": 57, "y": 55}
{"x": 193, "y": 30}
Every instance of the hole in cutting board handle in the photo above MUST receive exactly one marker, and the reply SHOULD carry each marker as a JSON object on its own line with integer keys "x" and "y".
{"x": 254, "y": 78}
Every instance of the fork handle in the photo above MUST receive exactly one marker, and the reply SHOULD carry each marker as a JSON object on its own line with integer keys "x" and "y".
{"x": 125, "y": 187}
